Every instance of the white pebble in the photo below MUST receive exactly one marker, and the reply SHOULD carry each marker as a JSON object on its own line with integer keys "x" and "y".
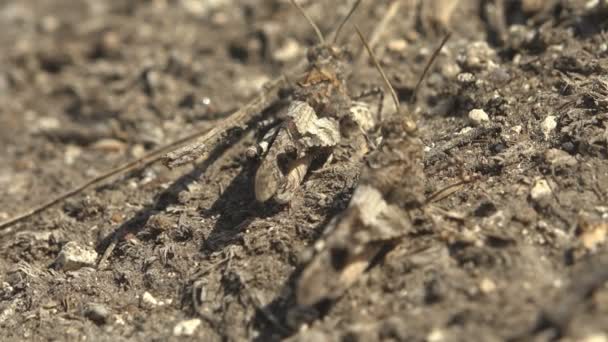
{"x": 516, "y": 129}
{"x": 478, "y": 116}
{"x": 288, "y": 51}
{"x": 478, "y": 56}
{"x": 541, "y": 190}
{"x": 187, "y": 327}
{"x": 436, "y": 335}
{"x": 548, "y": 125}
{"x": 74, "y": 256}
{"x": 397, "y": 45}
{"x": 147, "y": 299}
{"x": 487, "y": 285}
{"x": 596, "y": 337}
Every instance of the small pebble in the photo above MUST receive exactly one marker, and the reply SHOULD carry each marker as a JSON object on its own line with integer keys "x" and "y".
{"x": 187, "y": 327}
{"x": 138, "y": 151}
{"x": 449, "y": 70}
{"x": 147, "y": 300}
{"x": 477, "y": 56}
{"x": 74, "y": 256}
{"x": 72, "y": 152}
{"x": 596, "y": 337}
{"x": 436, "y": 335}
{"x": 540, "y": 191}
{"x": 532, "y": 6}
{"x": 548, "y": 125}
{"x": 465, "y": 78}
{"x": 288, "y": 51}
{"x": 478, "y": 117}
{"x": 516, "y": 129}
{"x": 397, "y": 45}
{"x": 487, "y": 285}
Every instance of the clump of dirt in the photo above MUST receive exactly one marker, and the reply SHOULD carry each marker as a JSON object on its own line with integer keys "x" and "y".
{"x": 516, "y": 105}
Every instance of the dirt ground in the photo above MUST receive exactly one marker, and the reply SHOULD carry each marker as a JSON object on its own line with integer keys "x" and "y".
{"x": 518, "y": 254}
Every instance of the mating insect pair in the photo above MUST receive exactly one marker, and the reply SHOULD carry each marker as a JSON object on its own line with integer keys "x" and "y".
{"x": 322, "y": 117}
{"x": 391, "y": 182}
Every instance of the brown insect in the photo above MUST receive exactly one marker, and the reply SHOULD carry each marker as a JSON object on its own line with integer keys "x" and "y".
{"x": 321, "y": 115}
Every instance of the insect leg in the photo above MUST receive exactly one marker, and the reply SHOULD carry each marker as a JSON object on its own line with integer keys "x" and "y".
{"x": 261, "y": 148}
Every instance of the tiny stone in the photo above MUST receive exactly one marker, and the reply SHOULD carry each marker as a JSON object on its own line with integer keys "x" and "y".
{"x": 98, "y": 313}
{"x": 548, "y": 125}
{"x": 148, "y": 300}
{"x": 288, "y": 51}
{"x": 487, "y": 285}
{"x": 597, "y": 337}
{"x": 71, "y": 153}
{"x": 478, "y": 116}
{"x": 109, "y": 145}
{"x": 397, "y": 45}
{"x": 450, "y": 70}
{"x": 532, "y": 6}
{"x": 477, "y": 56}
{"x": 591, "y": 3}
{"x": 465, "y": 78}
{"x": 49, "y": 24}
{"x": 73, "y": 256}
{"x": 187, "y": 327}
{"x": 138, "y": 151}
{"x": 516, "y": 129}
{"x": 48, "y": 123}
{"x": 540, "y": 190}
{"x": 203, "y": 8}
{"x": 436, "y": 335}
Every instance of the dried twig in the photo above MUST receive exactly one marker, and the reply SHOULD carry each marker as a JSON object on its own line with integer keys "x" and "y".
{"x": 239, "y": 118}
{"x": 140, "y": 163}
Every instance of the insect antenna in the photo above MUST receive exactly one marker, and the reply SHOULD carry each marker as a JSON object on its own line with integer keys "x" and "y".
{"x": 387, "y": 83}
{"x": 309, "y": 19}
{"x": 428, "y": 65}
{"x": 352, "y": 10}
{"x": 385, "y": 79}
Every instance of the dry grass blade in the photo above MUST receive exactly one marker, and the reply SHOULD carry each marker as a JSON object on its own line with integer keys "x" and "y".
{"x": 142, "y": 162}
{"x": 238, "y": 118}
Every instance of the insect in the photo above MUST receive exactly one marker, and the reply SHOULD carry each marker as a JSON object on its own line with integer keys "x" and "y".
{"x": 321, "y": 115}
{"x": 391, "y": 184}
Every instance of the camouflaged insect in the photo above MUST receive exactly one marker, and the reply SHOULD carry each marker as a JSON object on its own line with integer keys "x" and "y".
{"x": 320, "y": 116}
{"x": 391, "y": 183}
